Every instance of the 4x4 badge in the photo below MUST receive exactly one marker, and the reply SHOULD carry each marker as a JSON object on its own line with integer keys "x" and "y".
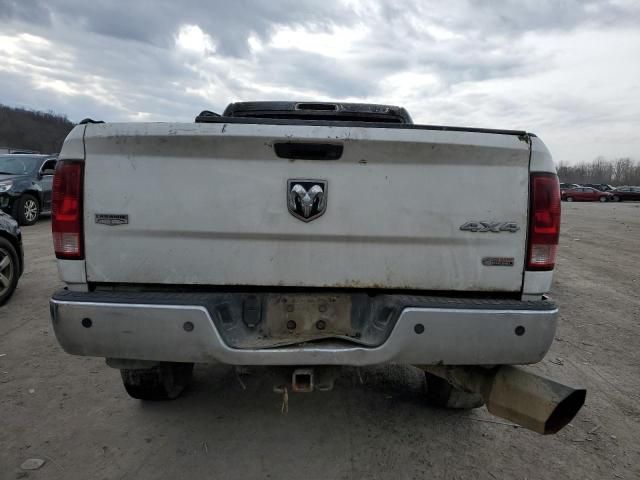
{"x": 306, "y": 199}
{"x": 495, "y": 227}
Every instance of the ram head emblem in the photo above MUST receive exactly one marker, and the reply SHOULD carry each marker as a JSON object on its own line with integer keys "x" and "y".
{"x": 307, "y": 199}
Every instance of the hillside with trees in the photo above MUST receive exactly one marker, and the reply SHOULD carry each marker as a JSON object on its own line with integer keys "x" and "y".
{"x": 28, "y": 129}
{"x": 619, "y": 171}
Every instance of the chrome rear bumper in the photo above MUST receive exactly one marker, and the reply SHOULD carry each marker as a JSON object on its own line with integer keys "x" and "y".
{"x": 187, "y": 333}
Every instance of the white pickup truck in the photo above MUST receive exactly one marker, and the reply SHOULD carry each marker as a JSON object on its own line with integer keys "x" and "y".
{"x": 313, "y": 235}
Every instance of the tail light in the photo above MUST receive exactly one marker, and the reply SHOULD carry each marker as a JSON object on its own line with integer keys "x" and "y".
{"x": 544, "y": 221}
{"x": 66, "y": 210}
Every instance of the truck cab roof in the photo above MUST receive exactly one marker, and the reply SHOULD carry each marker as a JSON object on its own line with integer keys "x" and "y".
{"x": 328, "y": 111}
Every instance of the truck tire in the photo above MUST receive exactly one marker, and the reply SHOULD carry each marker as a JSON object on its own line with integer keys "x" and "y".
{"x": 27, "y": 210}
{"x": 166, "y": 381}
{"x": 9, "y": 270}
{"x": 441, "y": 393}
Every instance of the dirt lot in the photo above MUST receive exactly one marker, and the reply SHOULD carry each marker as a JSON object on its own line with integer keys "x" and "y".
{"x": 73, "y": 412}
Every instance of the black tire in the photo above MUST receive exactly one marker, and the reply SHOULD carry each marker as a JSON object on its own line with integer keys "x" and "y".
{"x": 602, "y": 199}
{"x": 441, "y": 393}
{"x": 166, "y": 381}
{"x": 616, "y": 198}
{"x": 569, "y": 199}
{"x": 9, "y": 270}
{"x": 27, "y": 210}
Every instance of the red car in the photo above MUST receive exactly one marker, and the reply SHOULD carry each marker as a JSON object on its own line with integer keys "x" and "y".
{"x": 585, "y": 194}
{"x": 625, "y": 193}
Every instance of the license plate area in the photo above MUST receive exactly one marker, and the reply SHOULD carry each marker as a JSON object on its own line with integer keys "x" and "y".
{"x": 307, "y": 317}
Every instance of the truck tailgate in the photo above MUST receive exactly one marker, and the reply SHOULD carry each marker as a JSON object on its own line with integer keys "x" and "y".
{"x": 207, "y": 204}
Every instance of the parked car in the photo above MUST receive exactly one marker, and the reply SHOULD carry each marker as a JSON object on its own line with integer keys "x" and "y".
{"x": 567, "y": 186}
{"x": 625, "y": 193}
{"x": 603, "y": 187}
{"x": 287, "y": 266}
{"x": 585, "y": 194}
{"x": 11, "y": 256}
{"x": 16, "y": 150}
{"x": 25, "y": 186}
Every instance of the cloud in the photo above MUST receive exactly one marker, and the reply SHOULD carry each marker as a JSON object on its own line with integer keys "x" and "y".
{"x": 191, "y": 39}
{"x": 564, "y": 70}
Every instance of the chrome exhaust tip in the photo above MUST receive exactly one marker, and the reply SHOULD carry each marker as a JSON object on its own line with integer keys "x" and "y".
{"x": 529, "y": 400}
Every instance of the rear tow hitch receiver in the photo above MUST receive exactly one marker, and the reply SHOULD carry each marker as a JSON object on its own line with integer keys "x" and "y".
{"x": 302, "y": 380}
{"x": 307, "y": 379}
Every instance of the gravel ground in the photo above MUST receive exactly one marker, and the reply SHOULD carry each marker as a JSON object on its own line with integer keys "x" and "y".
{"x": 73, "y": 413}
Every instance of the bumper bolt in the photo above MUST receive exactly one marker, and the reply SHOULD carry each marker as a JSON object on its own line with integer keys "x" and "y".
{"x": 188, "y": 326}
{"x": 321, "y": 324}
{"x": 291, "y": 325}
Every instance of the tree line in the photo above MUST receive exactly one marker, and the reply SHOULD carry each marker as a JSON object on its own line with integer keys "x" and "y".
{"x": 619, "y": 171}
{"x": 32, "y": 130}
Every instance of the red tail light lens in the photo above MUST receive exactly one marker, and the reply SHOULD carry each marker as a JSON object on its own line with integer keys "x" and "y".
{"x": 544, "y": 221}
{"x": 66, "y": 210}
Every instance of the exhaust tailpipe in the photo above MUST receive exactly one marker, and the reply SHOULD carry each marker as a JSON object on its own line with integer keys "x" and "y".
{"x": 529, "y": 400}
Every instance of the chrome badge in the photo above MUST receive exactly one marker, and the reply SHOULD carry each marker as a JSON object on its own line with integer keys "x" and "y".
{"x": 498, "y": 261}
{"x": 495, "y": 227}
{"x": 306, "y": 199}
{"x": 111, "y": 219}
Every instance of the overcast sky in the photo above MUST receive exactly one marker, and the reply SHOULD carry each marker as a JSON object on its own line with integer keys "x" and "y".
{"x": 568, "y": 71}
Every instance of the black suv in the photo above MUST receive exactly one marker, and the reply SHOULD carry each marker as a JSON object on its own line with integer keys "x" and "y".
{"x": 25, "y": 186}
{"x": 625, "y": 193}
{"x": 11, "y": 256}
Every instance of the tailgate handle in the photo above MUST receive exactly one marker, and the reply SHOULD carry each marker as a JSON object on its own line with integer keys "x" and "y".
{"x": 309, "y": 151}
